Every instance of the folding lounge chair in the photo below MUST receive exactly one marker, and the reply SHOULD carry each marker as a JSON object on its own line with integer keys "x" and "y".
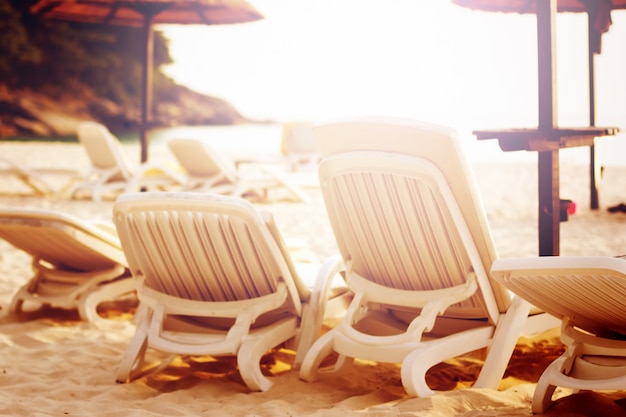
{"x": 208, "y": 170}
{"x": 589, "y": 295}
{"x": 112, "y": 172}
{"x": 214, "y": 278}
{"x": 413, "y": 235}
{"x": 76, "y": 263}
{"x": 298, "y": 145}
{"x": 34, "y": 177}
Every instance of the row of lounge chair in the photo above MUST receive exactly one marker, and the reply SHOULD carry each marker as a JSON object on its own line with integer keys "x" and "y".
{"x": 198, "y": 167}
{"x": 203, "y": 169}
{"x": 420, "y": 281}
{"x": 35, "y": 178}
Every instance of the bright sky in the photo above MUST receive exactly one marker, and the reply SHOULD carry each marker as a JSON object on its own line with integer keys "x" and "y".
{"x": 425, "y": 59}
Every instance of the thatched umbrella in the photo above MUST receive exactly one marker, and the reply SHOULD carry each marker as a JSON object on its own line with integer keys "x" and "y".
{"x": 599, "y": 12}
{"x": 145, "y": 14}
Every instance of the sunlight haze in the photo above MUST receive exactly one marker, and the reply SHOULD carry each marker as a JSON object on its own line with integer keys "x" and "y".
{"x": 428, "y": 59}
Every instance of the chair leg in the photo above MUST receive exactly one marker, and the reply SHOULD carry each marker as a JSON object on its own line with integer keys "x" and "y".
{"x": 507, "y": 332}
{"x": 88, "y": 304}
{"x": 420, "y": 360}
{"x": 16, "y": 304}
{"x": 413, "y": 374}
{"x": 560, "y": 367}
{"x": 542, "y": 399}
{"x": 310, "y": 370}
{"x": 252, "y": 349}
{"x": 133, "y": 357}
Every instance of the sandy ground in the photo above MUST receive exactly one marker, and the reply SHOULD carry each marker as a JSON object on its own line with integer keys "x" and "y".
{"x": 53, "y": 364}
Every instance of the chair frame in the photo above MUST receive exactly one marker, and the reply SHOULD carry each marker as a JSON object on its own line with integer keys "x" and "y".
{"x": 587, "y": 294}
{"x": 139, "y": 216}
{"x": 215, "y": 174}
{"x": 438, "y": 329}
{"x": 33, "y": 177}
{"x": 112, "y": 172}
{"x": 76, "y": 263}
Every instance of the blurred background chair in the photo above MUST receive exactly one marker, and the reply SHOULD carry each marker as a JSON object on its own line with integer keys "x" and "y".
{"x": 37, "y": 178}
{"x": 208, "y": 170}
{"x": 112, "y": 172}
{"x": 298, "y": 146}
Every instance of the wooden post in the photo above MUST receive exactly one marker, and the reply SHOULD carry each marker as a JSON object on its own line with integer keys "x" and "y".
{"x": 146, "y": 89}
{"x": 594, "y": 170}
{"x": 148, "y": 10}
{"x": 548, "y": 161}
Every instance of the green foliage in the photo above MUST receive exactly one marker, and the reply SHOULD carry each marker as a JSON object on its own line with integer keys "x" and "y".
{"x": 15, "y": 46}
{"x": 58, "y": 56}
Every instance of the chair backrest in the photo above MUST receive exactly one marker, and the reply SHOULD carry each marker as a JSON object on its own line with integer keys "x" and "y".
{"x": 405, "y": 209}
{"x": 200, "y": 160}
{"x": 297, "y": 138}
{"x": 104, "y": 150}
{"x": 203, "y": 247}
{"x": 61, "y": 240}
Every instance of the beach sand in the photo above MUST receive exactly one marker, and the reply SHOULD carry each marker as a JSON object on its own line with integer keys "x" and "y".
{"x": 53, "y": 364}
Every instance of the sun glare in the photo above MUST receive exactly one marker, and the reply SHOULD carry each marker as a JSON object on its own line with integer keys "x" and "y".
{"x": 431, "y": 60}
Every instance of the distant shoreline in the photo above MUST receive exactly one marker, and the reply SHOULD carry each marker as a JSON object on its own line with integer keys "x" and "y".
{"x": 265, "y": 137}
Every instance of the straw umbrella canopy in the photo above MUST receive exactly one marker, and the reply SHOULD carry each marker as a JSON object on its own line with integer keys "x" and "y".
{"x": 145, "y": 14}
{"x": 599, "y": 12}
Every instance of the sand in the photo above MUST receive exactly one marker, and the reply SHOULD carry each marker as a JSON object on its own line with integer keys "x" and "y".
{"x": 53, "y": 364}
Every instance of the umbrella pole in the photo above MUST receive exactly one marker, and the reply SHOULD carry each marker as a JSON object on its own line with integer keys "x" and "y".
{"x": 548, "y": 160}
{"x": 594, "y": 170}
{"x": 146, "y": 90}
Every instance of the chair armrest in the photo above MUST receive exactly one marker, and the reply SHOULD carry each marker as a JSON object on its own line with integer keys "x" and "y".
{"x": 313, "y": 312}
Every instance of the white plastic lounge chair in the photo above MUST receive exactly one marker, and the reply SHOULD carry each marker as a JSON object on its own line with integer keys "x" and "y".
{"x": 208, "y": 170}
{"x": 34, "y": 177}
{"x": 413, "y": 234}
{"x": 112, "y": 172}
{"x": 214, "y": 278}
{"x": 76, "y": 263}
{"x": 589, "y": 295}
{"x": 298, "y": 145}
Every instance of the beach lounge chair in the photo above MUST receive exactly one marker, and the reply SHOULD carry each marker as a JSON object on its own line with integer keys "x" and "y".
{"x": 111, "y": 170}
{"x": 34, "y": 177}
{"x": 589, "y": 295}
{"x": 298, "y": 145}
{"x": 76, "y": 263}
{"x": 413, "y": 235}
{"x": 208, "y": 170}
{"x": 214, "y": 278}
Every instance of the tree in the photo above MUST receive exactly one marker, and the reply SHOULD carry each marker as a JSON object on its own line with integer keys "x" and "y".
{"x": 15, "y": 45}
{"x": 57, "y": 56}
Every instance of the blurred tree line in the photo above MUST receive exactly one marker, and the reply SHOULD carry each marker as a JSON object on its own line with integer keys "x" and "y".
{"x": 53, "y": 57}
